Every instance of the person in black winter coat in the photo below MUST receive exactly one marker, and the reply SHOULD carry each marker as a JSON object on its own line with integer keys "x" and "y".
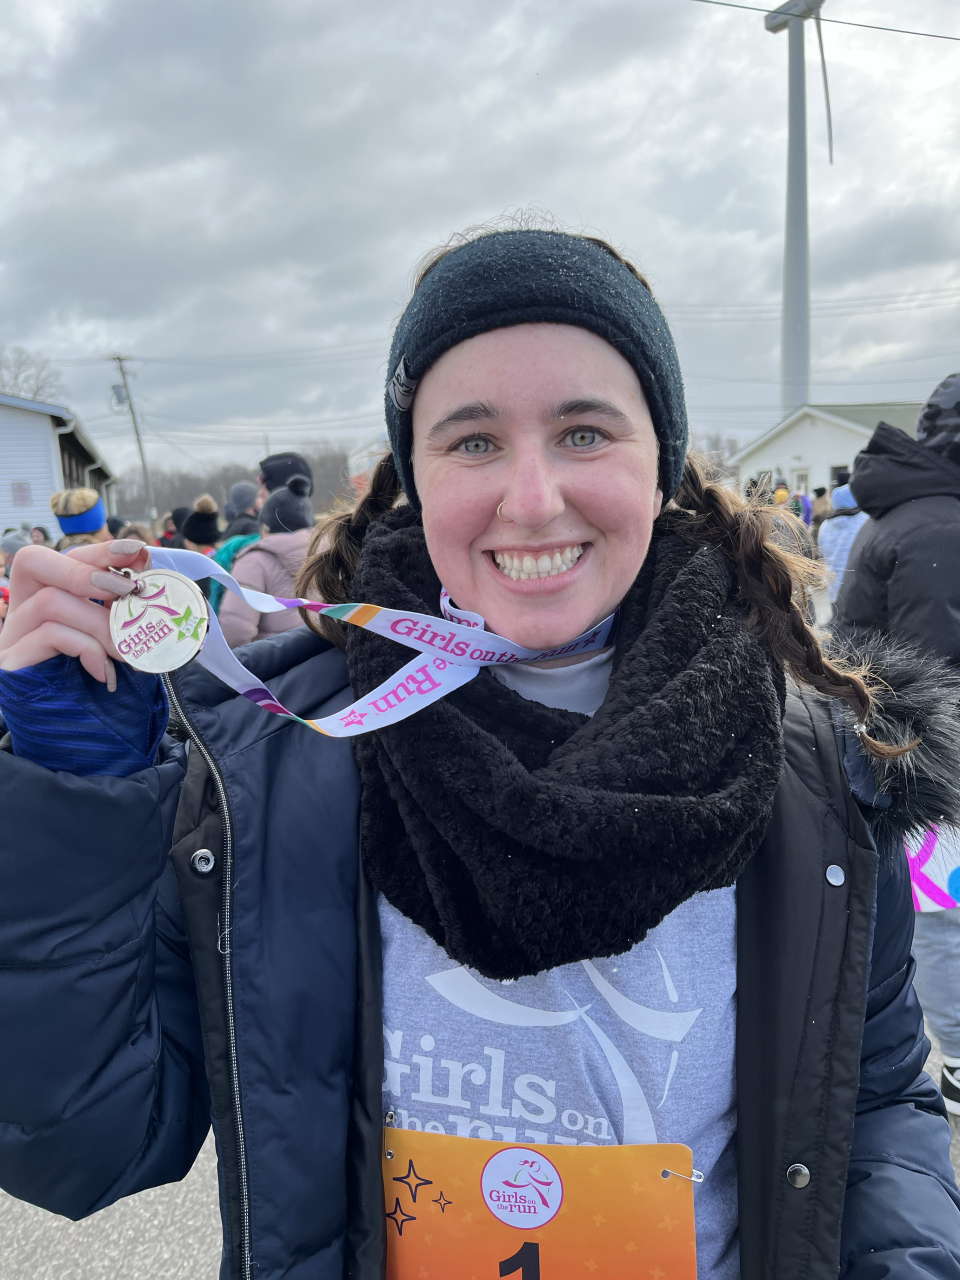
{"x": 903, "y": 582}
{"x": 654, "y": 896}
{"x": 902, "y": 576}
{"x": 241, "y": 511}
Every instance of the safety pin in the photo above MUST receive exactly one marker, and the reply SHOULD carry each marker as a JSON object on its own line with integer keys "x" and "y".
{"x": 672, "y": 1173}
{"x": 389, "y": 1122}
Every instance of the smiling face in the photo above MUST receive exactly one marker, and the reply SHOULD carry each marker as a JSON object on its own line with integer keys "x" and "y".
{"x": 548, "y": 423}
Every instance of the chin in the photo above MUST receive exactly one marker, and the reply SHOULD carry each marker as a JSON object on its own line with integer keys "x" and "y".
{"x": 523, "y": 627}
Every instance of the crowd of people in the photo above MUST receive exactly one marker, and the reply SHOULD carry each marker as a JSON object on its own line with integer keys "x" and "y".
{"x": 263, "y": 539}
{"x": 638, "y": 876}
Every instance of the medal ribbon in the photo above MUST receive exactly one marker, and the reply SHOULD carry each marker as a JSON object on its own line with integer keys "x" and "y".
{"x": 451, "y": 651}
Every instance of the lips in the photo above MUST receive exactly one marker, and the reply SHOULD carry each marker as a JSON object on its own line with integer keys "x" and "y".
{"x": 525, "y": 566}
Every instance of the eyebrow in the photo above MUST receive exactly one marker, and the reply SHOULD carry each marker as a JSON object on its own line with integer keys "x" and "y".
{"x": 570, "y": 408}
{"x": 476, "y": 411}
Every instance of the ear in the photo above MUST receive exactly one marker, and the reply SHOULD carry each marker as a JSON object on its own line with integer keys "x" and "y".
{"x": 657, "y": 502}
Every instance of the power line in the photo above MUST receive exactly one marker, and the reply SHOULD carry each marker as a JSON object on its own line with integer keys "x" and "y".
{"x": 838, "y": 22}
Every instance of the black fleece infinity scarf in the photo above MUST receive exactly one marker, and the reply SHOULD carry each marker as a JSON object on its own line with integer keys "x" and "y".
{"x": 522, "y": 837}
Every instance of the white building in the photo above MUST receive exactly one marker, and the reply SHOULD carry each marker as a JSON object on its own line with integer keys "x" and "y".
{"x": 43, "y": 448}
{"x": 817, "y": 441}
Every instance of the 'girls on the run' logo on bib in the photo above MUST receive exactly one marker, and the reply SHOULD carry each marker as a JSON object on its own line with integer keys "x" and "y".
{"x": 521, "y": 1188}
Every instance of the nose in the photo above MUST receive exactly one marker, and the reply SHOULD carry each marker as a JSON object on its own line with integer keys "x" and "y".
{"x": 532, "y": 496}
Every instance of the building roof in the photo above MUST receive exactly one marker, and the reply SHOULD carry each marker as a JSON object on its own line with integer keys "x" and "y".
{"x": 862, "y": 419}
{"x": 37, "y": 406}
{"x": 65, "y": 418}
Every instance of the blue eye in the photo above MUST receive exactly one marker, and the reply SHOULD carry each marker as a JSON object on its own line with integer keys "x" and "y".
{"x": 583, "y": 436}
{"x": 476, "y": 445}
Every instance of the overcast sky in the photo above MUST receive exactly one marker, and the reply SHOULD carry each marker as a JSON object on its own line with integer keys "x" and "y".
{"x": 221, "y": 183}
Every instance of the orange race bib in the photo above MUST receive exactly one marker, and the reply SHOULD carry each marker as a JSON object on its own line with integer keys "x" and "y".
{"x": 466, "y": 1209}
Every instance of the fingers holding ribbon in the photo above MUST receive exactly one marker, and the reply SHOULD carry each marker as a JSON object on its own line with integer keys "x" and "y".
{"x": 55, "y": 606}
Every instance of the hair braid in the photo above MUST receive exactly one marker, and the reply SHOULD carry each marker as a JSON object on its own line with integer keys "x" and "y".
{"x": 335, "y": 550}
{"x": 776, "y": 574}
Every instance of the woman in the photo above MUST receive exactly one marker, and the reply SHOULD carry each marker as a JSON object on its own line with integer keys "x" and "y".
{"x": 81, "y": 516}
{"x": 270, "y": 563}
{"x": 838, "y": 533}
{"x": 666, "y": 827}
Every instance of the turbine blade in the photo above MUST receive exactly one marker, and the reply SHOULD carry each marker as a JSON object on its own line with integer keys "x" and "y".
{"x": 826, "y": 86}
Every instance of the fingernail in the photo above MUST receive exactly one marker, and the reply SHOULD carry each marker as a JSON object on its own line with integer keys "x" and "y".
{"x": 126, "y": 547}
{"x": 113, "y": 582}
{"x": 110, "y": 671}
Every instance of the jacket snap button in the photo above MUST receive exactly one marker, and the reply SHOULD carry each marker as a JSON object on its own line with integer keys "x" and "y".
{"x": 798, "y": 1175}
{"x": 203, "y": 861}
{"x": 835, "y": 875}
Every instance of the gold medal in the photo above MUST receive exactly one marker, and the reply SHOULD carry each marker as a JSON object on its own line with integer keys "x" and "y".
{"x": 161, "y": 624}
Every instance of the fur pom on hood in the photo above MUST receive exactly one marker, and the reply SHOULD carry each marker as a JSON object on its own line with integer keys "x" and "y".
{"x": 918, "y": 698}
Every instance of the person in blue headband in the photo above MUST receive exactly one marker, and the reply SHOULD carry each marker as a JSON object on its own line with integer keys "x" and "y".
{"x": 81, "y": 516}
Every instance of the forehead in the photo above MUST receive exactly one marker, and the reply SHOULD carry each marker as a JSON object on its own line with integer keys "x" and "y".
{"x": 525, "y": 365}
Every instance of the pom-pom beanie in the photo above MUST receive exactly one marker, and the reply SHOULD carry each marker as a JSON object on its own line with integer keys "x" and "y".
{"x": 289, "y": 508}
{"x": 200, "y": 526}
{"x": 536, "y": 277}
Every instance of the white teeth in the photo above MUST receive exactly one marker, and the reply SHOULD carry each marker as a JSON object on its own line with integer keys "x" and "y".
{"x": 523, "y": 566}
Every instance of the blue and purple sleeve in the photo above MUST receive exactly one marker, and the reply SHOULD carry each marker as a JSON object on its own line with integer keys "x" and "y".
{"x": 61, "y": 718}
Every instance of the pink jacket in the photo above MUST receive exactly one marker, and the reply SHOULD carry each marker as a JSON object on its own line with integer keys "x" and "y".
{"x": 270, "y": 565}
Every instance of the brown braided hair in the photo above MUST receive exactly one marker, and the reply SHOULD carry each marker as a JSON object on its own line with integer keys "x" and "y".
{"x": 764, "y": 545}
{"x": 776, "y": 575}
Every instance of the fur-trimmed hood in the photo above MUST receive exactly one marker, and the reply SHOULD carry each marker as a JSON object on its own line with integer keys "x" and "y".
{"x": 917, "y": 697}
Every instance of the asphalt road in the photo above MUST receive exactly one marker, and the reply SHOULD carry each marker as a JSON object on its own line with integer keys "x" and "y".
{"x": 169, "y": 1233}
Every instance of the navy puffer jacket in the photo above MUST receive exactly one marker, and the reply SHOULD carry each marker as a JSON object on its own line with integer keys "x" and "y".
{"x": 147, "y": 988}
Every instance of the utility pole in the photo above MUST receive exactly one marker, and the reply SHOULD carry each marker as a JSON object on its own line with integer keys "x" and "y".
{"x": 120, "y": 362}
{"x": 795, "y": 315}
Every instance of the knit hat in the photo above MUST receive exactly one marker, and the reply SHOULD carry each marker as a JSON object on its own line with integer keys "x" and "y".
{"x": 178, "y": 515}
{"x": 289, "y": 508}
{"x": 939, "y": 425}
{"x": 200, "y": 526}
{"x": 242, "y": 497}
{"x": 276, "y": 470}
{"x": 14, "y": 542}
{"x": 536, "y": 277}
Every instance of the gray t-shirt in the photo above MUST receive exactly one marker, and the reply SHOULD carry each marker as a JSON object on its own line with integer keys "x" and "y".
{"x": 634, "y": 1048}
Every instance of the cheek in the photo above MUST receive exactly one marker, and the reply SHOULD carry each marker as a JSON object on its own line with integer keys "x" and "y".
{"x": 621, "y": 501}
{"x": 456, "y": 511}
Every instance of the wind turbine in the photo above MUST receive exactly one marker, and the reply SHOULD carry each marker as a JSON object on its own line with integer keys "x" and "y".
{"x": 795, "y": 314}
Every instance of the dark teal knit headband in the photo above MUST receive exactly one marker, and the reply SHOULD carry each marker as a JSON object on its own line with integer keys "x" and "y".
{"x": 536, "y": 277}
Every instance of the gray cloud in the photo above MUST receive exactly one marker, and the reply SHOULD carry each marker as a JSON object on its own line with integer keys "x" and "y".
{"x": 201, "y": 178}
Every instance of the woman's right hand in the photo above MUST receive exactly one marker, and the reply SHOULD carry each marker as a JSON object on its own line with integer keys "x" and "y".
{"x": 53, "y": 610}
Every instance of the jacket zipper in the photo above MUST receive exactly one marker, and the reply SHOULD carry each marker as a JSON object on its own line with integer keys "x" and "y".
{"x": 225, "y": 947}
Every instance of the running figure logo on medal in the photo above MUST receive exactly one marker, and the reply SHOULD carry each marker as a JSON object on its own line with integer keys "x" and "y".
{"x": 161, "y": 625}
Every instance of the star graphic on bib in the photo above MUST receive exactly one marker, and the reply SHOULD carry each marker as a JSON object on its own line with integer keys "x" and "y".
{"x": 355, "y": 717}
{"x": 443, "y": 1202}
{"x": 399, "y": 1218}
{"x": 188, "y": 625}
{"x": 413, "y": 1182}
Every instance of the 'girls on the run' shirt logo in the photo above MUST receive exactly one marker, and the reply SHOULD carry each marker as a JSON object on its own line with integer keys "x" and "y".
{"x": 521, "y": 1188}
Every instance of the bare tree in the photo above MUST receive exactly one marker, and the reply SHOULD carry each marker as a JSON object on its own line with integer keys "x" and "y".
{"x": 29, "y": 374}
{"x": 181, "y": 488}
